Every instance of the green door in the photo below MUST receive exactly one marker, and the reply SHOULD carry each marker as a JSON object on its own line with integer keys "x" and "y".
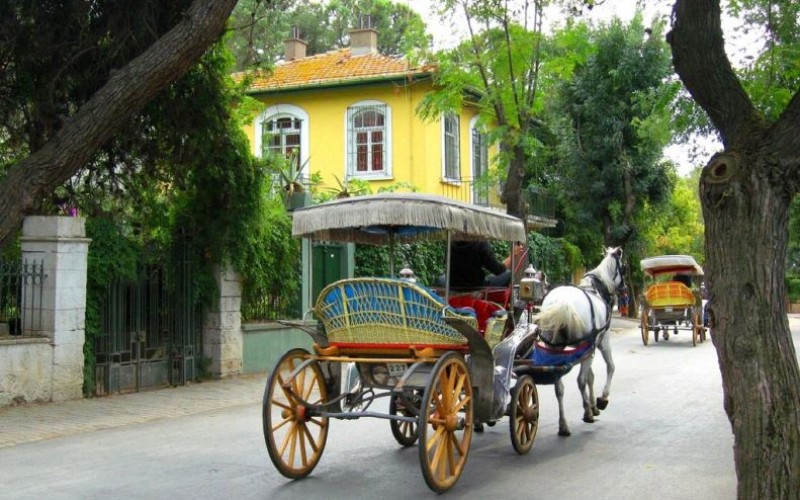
{"x": 327, "y": 266}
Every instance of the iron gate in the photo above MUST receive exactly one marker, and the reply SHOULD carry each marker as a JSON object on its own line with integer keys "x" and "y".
{"x": 21, "y": 289}
{"x": 151, "y": 330}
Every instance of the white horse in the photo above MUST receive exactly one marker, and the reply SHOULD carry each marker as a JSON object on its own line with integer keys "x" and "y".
{"x": 571, "y": 315}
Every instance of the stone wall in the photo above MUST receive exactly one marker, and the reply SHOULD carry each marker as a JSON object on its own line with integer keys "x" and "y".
{"x": 47, "y": 364}
{"x": 222, "y": 327}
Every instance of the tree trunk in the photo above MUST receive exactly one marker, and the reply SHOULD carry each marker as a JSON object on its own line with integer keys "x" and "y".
{"x": 745, "y": 194}
{"x": 746, "y": 244}
{"x": 126, "y": 93}
{"x": 512, "y": 194}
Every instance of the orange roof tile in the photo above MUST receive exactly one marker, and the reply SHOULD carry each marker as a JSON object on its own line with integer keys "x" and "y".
{"x": 334, "y": 67}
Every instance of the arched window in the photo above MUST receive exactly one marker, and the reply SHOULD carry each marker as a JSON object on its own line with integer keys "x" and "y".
{"x": 368, "y": 140}
{"x": 283, "y": 129}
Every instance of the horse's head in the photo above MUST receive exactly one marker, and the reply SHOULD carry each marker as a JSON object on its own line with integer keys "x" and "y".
{"x": 614, "y": 268}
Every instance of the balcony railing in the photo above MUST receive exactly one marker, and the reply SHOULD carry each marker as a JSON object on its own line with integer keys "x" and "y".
{"x": 471, "y": 190}
{"x": 540, "y": 204}
{"x": 481, "y": 192}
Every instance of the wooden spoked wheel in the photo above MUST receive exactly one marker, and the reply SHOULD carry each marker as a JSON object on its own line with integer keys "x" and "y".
{"x": 646, "y": 328}
{"x": 295, "y": 436}
{"x": 404, "y": 433}
{"x": 524, "y": 414}
{"x": 445, "y": 423}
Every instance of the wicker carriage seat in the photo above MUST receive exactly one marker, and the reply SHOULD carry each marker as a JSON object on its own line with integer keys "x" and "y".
{"x": 387, "y": 312}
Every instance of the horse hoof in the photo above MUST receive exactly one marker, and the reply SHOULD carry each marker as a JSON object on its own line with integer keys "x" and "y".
{"x": 595, "y": 412}
{"x": 563, "y": 433}
{"x": 478, "y": 427}
{"x": 588, "y": 419}
{"x": 602, "y": 403}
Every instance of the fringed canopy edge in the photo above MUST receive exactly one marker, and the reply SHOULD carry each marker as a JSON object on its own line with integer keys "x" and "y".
{"x": 377, "y": 219}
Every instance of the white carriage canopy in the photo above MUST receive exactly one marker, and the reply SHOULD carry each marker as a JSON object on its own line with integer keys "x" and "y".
{"x": 672, "y": 264}
{"x": 403, "y": 218}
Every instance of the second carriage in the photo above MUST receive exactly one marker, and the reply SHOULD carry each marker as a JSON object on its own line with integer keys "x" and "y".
{"x": 672, "y": 300}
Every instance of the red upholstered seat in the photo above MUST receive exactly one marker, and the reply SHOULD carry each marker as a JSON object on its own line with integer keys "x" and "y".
{"x": 484, "y": 309}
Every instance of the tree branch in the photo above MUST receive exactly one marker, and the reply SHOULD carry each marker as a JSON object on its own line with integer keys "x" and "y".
{"x": 699, "y": 57}
{"x": 126, "y": 93}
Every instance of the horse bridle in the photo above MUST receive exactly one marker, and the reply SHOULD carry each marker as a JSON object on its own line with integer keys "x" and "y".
{"x": 602, "y": 289}
{"x": 620, "y": 271}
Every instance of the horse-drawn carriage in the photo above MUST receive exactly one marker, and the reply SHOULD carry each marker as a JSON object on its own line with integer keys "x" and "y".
{"x": 672, "y": 300}
{"x": 441, "y": 369}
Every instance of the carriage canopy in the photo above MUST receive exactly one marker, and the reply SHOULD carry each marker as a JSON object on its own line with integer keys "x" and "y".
{"x": 403, "y": 218}
{"x": 671, "y": 264}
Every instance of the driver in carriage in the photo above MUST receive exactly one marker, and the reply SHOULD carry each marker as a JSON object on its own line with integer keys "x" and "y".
{"x": 683, "y": 278}
{"x": 473, "y": 265}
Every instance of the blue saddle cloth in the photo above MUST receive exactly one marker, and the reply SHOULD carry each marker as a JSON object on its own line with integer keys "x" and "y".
{"x": 543, "y": 356}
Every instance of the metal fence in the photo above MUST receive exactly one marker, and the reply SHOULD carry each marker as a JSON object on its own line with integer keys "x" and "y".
{"x": 481, "y": 191}
{"x": 21, "y": 291}
{"x": 151, "y": 329}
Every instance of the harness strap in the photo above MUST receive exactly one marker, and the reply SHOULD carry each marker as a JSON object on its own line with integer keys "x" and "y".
{"x": 600, "y": 287}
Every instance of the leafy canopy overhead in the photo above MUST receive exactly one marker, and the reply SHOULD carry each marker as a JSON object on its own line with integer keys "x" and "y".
{"x": 613, "y": 124}
{"x": 258, "y": 28}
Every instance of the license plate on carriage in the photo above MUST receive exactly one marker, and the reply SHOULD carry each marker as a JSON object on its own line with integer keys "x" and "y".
{"x": 668, "y": 309}
{"x": 396, "y": 369}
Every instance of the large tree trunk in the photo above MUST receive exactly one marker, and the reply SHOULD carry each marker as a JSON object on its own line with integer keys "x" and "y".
{"x": 745, "y": 194}
{"x": 125, "y": 94}
{"x": 746, "y": 243}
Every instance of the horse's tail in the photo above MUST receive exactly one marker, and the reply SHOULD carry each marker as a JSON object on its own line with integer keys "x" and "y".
{"x": 559, "y": 315}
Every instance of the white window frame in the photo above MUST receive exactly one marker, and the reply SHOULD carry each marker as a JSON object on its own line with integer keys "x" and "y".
{"x": 285, "y": 111}
{"x": 475, "y": 171}
{"x": 350, "y": 146}
{"x": 447, "y": 176}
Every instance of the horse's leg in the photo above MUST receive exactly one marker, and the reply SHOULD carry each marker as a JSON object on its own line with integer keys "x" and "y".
{"x": 563, "y": 428}
{"x": 583, "y": 378}
{"x": 605, "y": 350}
{"x": 590, "y": 383}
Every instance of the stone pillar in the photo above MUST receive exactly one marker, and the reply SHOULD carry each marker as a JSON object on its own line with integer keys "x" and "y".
{"x": 222, "y": 326}
{"x": 60, "y": 243}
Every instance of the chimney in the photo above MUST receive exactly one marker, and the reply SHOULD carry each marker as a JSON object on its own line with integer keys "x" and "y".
{"x": 364, "y": 39}
{"x": 294, "y": 47}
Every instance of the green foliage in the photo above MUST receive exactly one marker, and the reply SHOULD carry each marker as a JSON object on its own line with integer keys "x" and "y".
{"x": 114, "y": 253}
{"x": 426, "y": 259}
{"x": 675, "y": 227}
{"x": 344, "y": 189}
{"x": 259, "y": 28}
{"x": 267, "y": 261}
{"x": 499, "y": 70}
{"x": 557, "y": 257}
{"x": 613, "y": 133}
{"x": 793, "y": 254}
{"x": 793, "y": 288}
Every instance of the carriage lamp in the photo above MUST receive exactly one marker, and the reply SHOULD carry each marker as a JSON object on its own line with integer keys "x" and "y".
{"x": 531, "y": 288}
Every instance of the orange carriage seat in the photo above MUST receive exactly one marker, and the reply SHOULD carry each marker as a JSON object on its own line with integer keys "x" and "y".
{"x": 669, "y": 293}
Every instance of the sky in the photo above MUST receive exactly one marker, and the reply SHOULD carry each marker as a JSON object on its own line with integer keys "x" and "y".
{"x": 448, "y": 33}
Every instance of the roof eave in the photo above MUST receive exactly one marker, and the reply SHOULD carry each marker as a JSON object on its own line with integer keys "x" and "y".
{"x": 344, "y": 82}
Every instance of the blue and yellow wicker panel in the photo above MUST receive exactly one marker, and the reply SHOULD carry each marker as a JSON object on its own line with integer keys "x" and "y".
{"x": 386, "y": 312}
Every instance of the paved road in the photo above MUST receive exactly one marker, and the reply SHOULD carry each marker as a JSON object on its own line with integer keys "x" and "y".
{"x": 664, "y": 436}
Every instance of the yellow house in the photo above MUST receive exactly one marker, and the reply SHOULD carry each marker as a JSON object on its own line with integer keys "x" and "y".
{"x": 351, "y": 114}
